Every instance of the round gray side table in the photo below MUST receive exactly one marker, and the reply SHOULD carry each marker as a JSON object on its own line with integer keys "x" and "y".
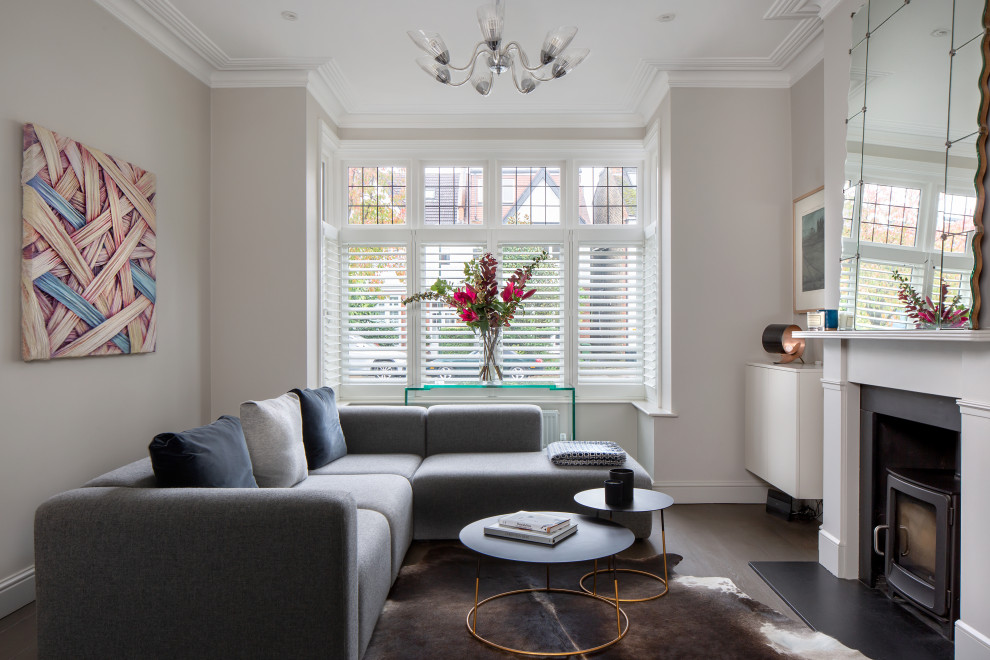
{"x": 643, "y": 501}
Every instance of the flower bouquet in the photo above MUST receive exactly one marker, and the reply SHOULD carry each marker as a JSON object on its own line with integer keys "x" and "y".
{"x": 927, "y": 314}
{"x": 484, "y": 306}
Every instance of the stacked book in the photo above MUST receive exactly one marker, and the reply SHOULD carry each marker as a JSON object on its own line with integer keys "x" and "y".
{"x": 533, "y": 527}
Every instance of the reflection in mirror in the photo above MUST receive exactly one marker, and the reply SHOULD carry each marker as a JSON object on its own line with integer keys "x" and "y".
{"x": 910, "y": 201}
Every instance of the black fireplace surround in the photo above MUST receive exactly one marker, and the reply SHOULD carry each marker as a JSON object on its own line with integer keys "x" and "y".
{"x": 909, "y": 500}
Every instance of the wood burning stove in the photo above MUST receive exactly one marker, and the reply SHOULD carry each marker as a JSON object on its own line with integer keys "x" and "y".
{"x": 921, "y": 545}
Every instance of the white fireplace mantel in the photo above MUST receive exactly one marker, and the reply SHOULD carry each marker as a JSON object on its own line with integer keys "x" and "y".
{"x": 955, "y": 364}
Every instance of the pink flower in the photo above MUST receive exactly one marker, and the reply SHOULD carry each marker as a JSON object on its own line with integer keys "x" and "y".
{"x": 509, "y": 292}
{"x": 469, "y": 315}
{"x": 467, "y": 296}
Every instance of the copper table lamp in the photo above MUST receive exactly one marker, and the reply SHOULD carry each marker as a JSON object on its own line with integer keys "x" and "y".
{"x": 778, "y": 339}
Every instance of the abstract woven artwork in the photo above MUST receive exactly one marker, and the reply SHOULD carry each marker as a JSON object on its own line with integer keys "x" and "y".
{"x": 88, "y": 267}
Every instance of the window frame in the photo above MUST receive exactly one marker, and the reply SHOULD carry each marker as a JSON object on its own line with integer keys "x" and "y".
{"x": 569, "y": 233}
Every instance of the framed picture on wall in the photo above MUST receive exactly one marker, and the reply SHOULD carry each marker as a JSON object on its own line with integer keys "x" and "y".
{"x": 809, "y": 251}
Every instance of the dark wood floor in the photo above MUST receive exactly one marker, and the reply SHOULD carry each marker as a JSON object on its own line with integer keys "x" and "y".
{"x": 711, "y": 539}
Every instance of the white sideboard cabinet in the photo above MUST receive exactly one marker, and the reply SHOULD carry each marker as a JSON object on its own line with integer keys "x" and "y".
{"x": 784, "y": 427}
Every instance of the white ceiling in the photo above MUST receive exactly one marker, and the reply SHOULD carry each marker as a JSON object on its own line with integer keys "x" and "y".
{"x": 361, "y": 65}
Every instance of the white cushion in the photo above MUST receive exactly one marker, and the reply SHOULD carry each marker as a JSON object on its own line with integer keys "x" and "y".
{"x": 273, "y": 431}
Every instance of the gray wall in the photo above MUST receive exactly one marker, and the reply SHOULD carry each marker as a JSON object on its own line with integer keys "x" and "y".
{"x": 728, "y": 205}
{"x": 72, "y": 67}
{"x": 258, "y": 257}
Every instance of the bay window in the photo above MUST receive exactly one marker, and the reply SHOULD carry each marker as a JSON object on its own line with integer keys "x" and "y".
{"x": 401, "y": 225}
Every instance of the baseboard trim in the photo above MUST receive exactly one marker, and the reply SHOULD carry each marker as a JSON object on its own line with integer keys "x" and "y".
{"x": 971, "y": 644}
{"x": 713, "y": 492}
{"x": 16, "y": 591}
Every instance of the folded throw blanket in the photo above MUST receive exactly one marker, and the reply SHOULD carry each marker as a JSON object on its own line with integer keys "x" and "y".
{"x": 574, "y": 452}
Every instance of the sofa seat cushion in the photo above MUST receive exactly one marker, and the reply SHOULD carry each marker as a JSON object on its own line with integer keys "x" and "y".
{"x": 452, "y": 490}
{"x": 374, "y": 572}
{"x": 403, "y": 465}
{"x": 388, "y": 494}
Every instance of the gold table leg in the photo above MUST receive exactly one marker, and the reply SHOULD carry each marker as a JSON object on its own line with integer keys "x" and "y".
{"x": 620, "y": 616}
{"x": 663, "y": 580}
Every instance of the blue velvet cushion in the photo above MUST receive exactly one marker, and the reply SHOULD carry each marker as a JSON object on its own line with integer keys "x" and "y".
{"x": 322, "y": 435}
{"x": 211, "y": 456}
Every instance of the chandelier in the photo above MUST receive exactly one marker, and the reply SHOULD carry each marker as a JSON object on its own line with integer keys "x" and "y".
{"x": 496, "y": 57}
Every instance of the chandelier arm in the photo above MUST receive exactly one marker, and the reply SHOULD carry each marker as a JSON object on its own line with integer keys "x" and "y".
{"x": 522, "y": 56}
{"x": 469, "y": 69}
{"x": 479, "y": 48}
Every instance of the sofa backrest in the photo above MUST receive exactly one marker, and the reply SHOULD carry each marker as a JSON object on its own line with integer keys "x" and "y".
{"x": 138, "y": 474}
{"x": 453, "y": 429}
{"x": 384, "y": 429}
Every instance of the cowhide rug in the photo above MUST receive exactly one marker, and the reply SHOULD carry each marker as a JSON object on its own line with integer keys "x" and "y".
{"x": 424, "y": 617}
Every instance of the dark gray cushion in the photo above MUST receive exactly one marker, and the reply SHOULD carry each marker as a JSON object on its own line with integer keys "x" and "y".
{"x": 452, "y": 490}
{"x": 388, "y": 494}
{"x": 402, "y": 464}
{"x": 483, "y": 428}
{"x": 211, "y": 456}
{"x": 384, "y": 429}
{"x": 322, "y": 435}
{"x": 373, "y": 573}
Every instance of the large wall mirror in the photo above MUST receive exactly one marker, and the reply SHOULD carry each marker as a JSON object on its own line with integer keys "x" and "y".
{"x": 916, "y": 158}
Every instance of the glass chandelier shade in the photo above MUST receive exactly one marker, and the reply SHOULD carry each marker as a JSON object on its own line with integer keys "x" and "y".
{"x": 492, "y": 57}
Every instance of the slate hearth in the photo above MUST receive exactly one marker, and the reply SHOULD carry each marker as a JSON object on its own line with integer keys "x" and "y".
{"x": 859, "y": 617}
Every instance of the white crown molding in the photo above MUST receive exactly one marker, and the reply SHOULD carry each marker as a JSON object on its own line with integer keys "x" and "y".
{"x": 161, "y": 37}
{"x": 497, "y": 119}
{"x": 803, "y": 34}
{"x": 269, "y": 78}
{"x": 737, "y": 79}
{"x": 176, "y": 22}
{"x": 791, "y": 9}
{"x": 806, "y": 60}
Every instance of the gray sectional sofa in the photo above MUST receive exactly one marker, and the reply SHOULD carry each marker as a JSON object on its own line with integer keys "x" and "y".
{"x": 125, "y": 569}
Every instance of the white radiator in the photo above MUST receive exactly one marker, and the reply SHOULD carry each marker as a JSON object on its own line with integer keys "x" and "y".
{"x": 551, "y": 427}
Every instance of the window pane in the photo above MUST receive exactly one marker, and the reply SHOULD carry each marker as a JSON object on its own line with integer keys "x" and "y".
{"x": 848, "y": 206}
{"x": 533, "y": 347}
{"x": 376, "y": 195}
{"x": 607, "y": 195}
{"x": 449, "y": 349}
{"x": 954, "y": 223}
{"x": 610, "y": 314}
{"x": 877, "y": 304}
{"x": 889, "y": 214}
{"x": 531, "y": 195}
{"x": 453, "y": 195}
{"x": 375, "y": 320}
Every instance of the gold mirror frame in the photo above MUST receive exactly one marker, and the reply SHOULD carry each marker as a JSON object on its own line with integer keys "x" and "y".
{"x": 933, "y": 262}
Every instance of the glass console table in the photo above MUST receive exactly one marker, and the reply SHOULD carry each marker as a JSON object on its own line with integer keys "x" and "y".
{"x": 550, "y": 397}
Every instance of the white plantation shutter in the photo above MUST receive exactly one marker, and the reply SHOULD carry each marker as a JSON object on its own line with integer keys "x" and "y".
{"x": 847, "y": 285}
{"x": 610, "y": 313}
{"x": 877, "y": 305}
{"x": 374, "y": 341}
{"x": 448, "y": 348}
{"x": 651, "y": 294}
{"x": 330, "y": 309}
{"x": 532, "y": 345}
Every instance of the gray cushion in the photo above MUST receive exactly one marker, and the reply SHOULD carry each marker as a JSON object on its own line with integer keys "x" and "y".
{"x": 388, "y": 494}
{"x": 483, "y": 428}
{"x": 374, "y": 576}
{"x": 273, "y": 431}
{"x": 402, "y": 464}
{"x": 384, "y": 429}
{"x": 452, "y": 490}
{"x": 138, "y": 474}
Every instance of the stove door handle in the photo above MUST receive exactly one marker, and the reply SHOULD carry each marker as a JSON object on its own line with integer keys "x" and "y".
{"x": 907, "y": 543}
{"x": 876, "y": 538}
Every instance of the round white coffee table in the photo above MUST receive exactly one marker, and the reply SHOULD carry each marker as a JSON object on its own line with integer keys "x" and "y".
{"x": 595, "y": 538}
{"x": 643, "y": 501}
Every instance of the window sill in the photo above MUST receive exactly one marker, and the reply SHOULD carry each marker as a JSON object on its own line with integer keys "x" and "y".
{"x": 651, "y": 409}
